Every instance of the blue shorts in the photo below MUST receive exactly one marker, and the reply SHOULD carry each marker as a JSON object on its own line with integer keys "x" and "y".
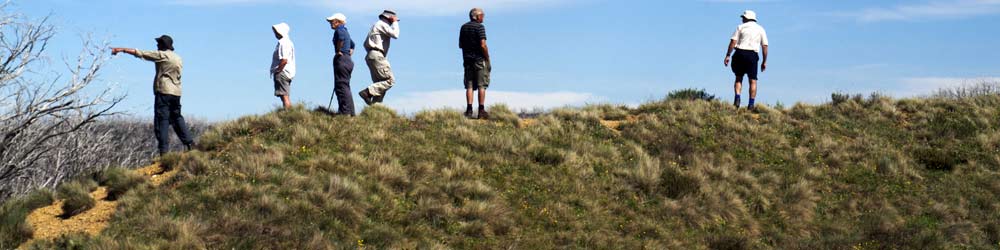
{"x": 745, "y": 63}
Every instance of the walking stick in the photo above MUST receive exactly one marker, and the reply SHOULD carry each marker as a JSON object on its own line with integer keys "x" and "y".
{"x": 332, "y": 95}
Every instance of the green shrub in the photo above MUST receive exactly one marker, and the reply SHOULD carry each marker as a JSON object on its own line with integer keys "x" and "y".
{"x": 120, "y": 180}
{"x": 690, "y": 95}
{"x": 76, "y": 197}
{"x": 838, "y": 98}
{"x": 14, "y": 230}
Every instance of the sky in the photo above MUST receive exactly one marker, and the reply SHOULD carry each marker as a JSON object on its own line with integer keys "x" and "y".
{"x": 545, "y": 53}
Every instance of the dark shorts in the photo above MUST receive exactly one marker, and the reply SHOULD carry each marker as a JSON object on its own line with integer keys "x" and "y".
{"x": 745, "y": 63}
{"x": 477, "y": 74}
{"x": 282, "y": 85}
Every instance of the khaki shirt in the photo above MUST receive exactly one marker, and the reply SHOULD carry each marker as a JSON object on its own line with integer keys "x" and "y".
{"x": 168, "y": 70}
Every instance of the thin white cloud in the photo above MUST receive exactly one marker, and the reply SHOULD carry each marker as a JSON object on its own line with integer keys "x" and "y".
{"x": 403, "y": 7}
{"x": 927, "y": 85}
{"x": 928, "y": 10}
{"x": 416, "y": 101}
{"x": 738, "y": 1}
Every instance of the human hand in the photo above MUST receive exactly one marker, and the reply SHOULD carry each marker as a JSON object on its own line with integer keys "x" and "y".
{"x": 726, "y": 62}
{"x": 763, "y": 67}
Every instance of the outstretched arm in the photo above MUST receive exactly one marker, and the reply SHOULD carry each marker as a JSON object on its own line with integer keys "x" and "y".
{"x": 115, "y": 51}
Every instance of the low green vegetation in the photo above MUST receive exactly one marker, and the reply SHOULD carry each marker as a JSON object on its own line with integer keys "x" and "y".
{"x": 76, "y": 197}
{"x": 14, "y": 230}
{"x": 118, "y": 181}
{"x": 866, "y": 173}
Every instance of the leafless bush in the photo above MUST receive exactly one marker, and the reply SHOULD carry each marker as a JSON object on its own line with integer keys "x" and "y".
{"x": 44, "y": 120}
{"x": 981, "y": 87}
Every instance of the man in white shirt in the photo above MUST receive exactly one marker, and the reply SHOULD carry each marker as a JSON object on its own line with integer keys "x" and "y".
{"x": 748, "y": 40}
{"x": 377, "y": 45}
{"x": 283, "y": 63}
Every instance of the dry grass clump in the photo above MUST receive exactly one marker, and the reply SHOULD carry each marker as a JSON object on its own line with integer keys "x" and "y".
{"x": 119, "y": 180}
{"x": 76, "y": 197}
{"x": 14, "y": 230}
{"x": 864, "y": 173}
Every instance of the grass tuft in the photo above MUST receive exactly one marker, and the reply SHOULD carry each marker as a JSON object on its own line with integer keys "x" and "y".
{"x": 76, "y": 197}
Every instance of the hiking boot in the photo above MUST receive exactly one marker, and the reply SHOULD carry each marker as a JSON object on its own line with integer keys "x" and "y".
{"x": 378, "y": 99}
{"x": 469, "y": 114}
{"x": 736, "y": 103}
{"x": 366, "y": 96}
{"x": 752, "y": 108}
{"x": 483, "y": 115}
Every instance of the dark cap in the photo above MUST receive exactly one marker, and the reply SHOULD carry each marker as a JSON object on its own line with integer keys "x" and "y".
{"x": 388, "y": 13}
{"x": 166, "y": 41}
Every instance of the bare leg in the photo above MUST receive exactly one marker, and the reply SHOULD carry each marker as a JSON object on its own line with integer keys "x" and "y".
{"x": 753, "y": 89}
{"x": 482, "y": 96}
{"x": 738, "y": 86}
{"x": 468, "y": 96}
{"x": 286, "y": 102}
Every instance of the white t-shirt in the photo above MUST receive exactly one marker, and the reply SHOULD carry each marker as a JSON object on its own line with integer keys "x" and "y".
{"x": 750, "y": 36}
{"x": 284, "y": 50}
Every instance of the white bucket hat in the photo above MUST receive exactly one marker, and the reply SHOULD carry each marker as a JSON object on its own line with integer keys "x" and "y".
{"x": 337, "y": 16}
{"x": 749, "y": 14}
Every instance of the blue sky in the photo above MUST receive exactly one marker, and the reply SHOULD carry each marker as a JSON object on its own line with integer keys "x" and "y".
{"x": 546, "y": 53}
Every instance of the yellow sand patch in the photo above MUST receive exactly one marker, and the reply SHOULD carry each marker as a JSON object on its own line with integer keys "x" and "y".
{"x": 48, "y": 225}
{"x": 617, "y": 124}
{"x": 157, "y": 175}
{"x": 527, "y": 122}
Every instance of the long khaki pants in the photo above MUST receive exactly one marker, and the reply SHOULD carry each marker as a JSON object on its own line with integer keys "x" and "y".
{"x": 382, "y": 77}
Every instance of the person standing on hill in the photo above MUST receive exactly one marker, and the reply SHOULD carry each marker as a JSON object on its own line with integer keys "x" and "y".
{"x": 749, "y": 39}
{"x": 476, "y": 60}
{"x": 343, "y": 66}
{"x": 166, "y": 91}
{"x": 283, "y": 64}
{"x": 377, "y": 45}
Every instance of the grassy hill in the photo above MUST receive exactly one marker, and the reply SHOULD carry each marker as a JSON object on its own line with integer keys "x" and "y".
{"x": 859, "y": 173}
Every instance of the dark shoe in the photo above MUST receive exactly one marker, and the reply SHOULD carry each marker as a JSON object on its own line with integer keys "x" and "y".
{"x": 189, "y": 147}
{"x": 752, "y": 108}
{"x": 736, "y": 103}
{"x": 378, "y": 99}
{"x": 483, "y": 115}
{"x": 367, "y": 97}
{"x": 469, "y": 114}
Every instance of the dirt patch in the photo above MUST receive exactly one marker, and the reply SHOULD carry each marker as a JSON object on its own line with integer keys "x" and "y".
{"x": 157, "y": 174}
{"x": 617, "y": 124}
{"x": 527, "y": 122}
{"x": 48, "y": 224}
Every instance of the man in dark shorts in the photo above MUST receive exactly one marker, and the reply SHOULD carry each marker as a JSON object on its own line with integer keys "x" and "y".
{"x": 749, "y": 39}
{"x": 476, "y": 59}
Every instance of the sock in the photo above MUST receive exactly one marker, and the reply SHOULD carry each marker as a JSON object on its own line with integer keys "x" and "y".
{"x": 482, "y": 107}
{"x": 737, "y": 100}
{"x": 751, "y": 102}
{"x": 468, "y": 107}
